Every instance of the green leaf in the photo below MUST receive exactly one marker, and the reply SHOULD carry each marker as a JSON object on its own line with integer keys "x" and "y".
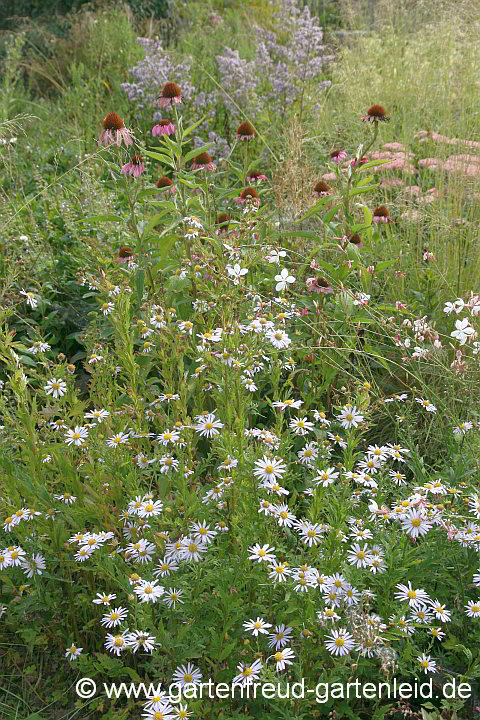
{"x": 374, "y": 163}
{"x": 331, "y": 213}
{"x": 299, "y": 233}
{"x": 154, "y": 220}
{"x": 361, "y": 190}
{"x": 161, "y": 158}
{"x": 198, "y": 151}
{"x": 193, "y": 127}
{"x": 148, "y": 192}
{"x": 140, "y": 284}
{"x": 316, "y": 208}
{"x": 101, "y": 218}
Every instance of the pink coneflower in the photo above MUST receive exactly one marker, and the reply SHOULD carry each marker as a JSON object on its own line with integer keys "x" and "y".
{"x": 248, "y": 193}
{"x": 360, "y": 161}
{"x": 355, "y": 239}
{"x": 322, "y": 189}
{"x": 114, "y": 131}
{"x": 170, "y": 95}
{"x": 381, "y": 215}
{"x": 125, "y": 254}
{"x": 376, "y": 113}
{"x": 163, "y": 127}
{"x": 165, "y": 182}
{"x": 319, "y": 285}
{"x": 203, "y": 162}
{"x": 255, "y": 176}
{"x": 337, "y": 156}
{"x": 135, "y": 167}
{"x": 245, "y": 131}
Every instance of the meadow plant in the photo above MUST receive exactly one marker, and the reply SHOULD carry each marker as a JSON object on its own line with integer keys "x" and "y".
{"x": 263, "y": 479}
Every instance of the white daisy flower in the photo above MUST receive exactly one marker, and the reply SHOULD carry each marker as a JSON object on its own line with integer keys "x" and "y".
{"x": 280, "y": 637}
{"x": 31, "y": 299}
{"x": 148, "y": 591}
{"x": 73, "y": 652}
{"x": 77, "y": 436}
{"x": 415, "y": 598}
{"x": 427, "y": 664}
{"x": 114, "y": 617}
{"x": 247, "y": 674}
{"x": 283, "y": 658}
{"x": 350, "y": 417}
{"x": 340, "y": 642}
{"x": 257, "y": 626}
{"x": 263, "y": 553}
{"x": 55, "y": 388}
{"x": 98, "y": 415}
{"x": 141, "y": 641}
{"x": 209, "y": 426}
{"x": 278, "y": 338}
{"x": 187, "y": 675}
{"x": 117, "y": 643}
{"x": 104, "y": 599}
{"x": 269, "y": 469}
{"x": 427, "y": 405}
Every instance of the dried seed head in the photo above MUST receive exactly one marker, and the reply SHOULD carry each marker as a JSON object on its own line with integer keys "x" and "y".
{"x": 248, "y": 192}
{"x": 255, "y": 175}
{"x": 245, "y": 131}
{"x": 322, "y": 187}
{"x": 355, "y": 239}
{"x": 113, "y": 121}
{"x": 381, "y": 215}
{"x": 203, "y": 159}
{"x": 171, "y": 90}
{"x": 223, "y": 219}
{"x": 163, "y": 182}
{"x": 376, "y": 113}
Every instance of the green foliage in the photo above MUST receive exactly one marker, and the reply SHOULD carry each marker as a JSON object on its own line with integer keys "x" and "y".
{"x": 150, "y": 352}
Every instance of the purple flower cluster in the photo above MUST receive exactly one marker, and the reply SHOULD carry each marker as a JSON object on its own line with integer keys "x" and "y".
{"x": 150, "y": 74}
{"x": 221, "y": 149}
{"x": 239, "y": 79}
{"x": 288, "y": 60}
{"x": 290, "y": 67}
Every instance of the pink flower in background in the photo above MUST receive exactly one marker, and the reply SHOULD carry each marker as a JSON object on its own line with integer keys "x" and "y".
{"x": 114, "y": 131}
{"x": 164, "y": 127}
{"x": 135, "y": 167}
